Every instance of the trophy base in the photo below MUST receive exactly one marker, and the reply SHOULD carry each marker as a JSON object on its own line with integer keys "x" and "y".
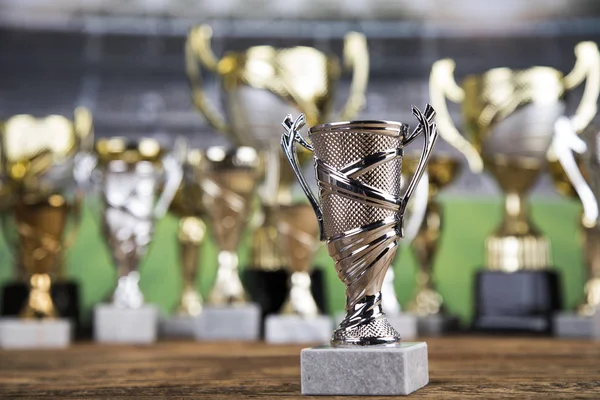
{"x": 572, "y": 325}
{"x": 377, "y": 370}
{"x": 296, "y": 329}
{"x": 269, "y": 289}
{"x": 236, "y": 322}
{"x": 405, "y": 324}
{"x": 177, "y": 326}
{"x": 523, "y": 301}
{"x": 16, "y": 333}
{"x": 65, "y": 295}
{"x": 125, "y": 325}
{"x": 437, "y": 325}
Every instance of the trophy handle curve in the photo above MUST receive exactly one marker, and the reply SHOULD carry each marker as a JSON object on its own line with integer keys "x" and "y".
{"x": 418, "y": 208}
{"x": 356, "y": 56}
{"x": 565, "y": 143}
{"x": 290, "y": 136}
{"x": 441, "y": 86}
{"x": 173, "y": 177}
{"x": 586, "y": 67}
{"x": 428, "y": 127}
{"x": 198, "y": 51}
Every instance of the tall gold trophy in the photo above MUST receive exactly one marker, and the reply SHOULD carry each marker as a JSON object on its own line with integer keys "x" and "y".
{"x": 576, "y": 173}
{"x": 188, "y": 206}
{"x": 258, "y": 86}
{"x": 509, "y": 118}
{"x": 37, "y": 157}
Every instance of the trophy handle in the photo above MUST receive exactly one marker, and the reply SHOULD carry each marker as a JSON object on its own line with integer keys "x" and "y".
{"x": 441, "y": 86}
{"x": 586, "y": 67}
{"x": 288, "y": 139}
{"x": 418, "y": 208}
{"x": 428, "y": 127}
{"x": 198, "y": 51}
{"x": 565, "y": 143}
{"x": 356, "y": 56}
{"x": 173, "y": 177}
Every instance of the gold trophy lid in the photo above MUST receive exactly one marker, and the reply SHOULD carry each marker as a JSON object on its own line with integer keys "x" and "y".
{"x": 129, "y": 150}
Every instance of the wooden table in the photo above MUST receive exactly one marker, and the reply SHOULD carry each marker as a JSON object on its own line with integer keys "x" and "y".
{"x": 460, "y": 367}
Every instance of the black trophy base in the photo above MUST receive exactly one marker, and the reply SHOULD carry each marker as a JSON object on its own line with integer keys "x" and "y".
{"x": 269, "y": 289}
{"x": 65, "y": 295}
{"x": 522, "y": 301}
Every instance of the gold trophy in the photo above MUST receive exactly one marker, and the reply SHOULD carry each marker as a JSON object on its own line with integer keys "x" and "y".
{"x": 509, "y": 120}
{"x": 576, "y": 171}
{"x": 188, "y": 206}
{"x": 229, "y": 183}
{"x": 259, "y": 85}
{"x": 427, "y": 302}
{"x": 37, "y": 157}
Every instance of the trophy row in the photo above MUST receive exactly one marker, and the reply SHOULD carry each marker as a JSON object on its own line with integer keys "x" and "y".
{"x": 514, "y": 127}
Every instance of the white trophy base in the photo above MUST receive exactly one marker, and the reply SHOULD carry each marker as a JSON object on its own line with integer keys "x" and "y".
{"x": 572, "y": 325}
{"x": 125, "y": 325}
{"x": 17, "y": 333}
{"x": 364, "y": 370}
{"x": 236, "y": 322}
{"x": 404, "y": 323}
{"x": 295, "y": 329}
{"x": 178, "y": 326}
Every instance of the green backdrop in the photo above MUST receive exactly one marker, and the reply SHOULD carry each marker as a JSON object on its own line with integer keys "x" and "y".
{"x": 467, "y": 222}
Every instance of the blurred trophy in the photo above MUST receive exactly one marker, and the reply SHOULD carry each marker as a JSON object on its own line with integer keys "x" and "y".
{"x": 299, "y": 320}
{"x": 584, "y": 177}
{"x": 229, "y": 183}
{"x": 427, "y": 302}
{"x": 189, "y": 208}
{"x": 360, "y": 215}
{"x": 127, "y": 175}
{"x": 39, "y": 221}
{"x": 258, "y": 86}
{"x": 509, "y": 121}
{"x": 405, "y": 323}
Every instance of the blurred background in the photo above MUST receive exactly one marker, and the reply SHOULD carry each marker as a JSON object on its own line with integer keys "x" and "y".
{"x": 125, "y": 61}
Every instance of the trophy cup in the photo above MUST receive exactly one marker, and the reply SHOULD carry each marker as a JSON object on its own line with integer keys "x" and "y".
{"x": 427, "y": 302}
{"x": 509, "y": 119}
{"x": 127, "y": 175}
{"x": 39, "y": 221}
{"x": 299, "y": 320}
{"x": 585, "y": 179}
{"x": 360, "y": 215}
{"x": 229, "y": 183}
{"x": 259, "y": 85}
{"x": 188, "y": 207}
{"x": 405, "y": 323}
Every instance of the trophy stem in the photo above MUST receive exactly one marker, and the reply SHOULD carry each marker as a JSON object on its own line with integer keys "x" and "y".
{"x": 190, "y": 237}
{"x": 300, "y": 300}
{"x": 128, "y": 293}
{"x": 39, "y": 304}
{"x": 427, "y": 300}
{"x": 228, "y": 288}
{"x": 267, "y": 254}
{"x": 517, "y": 244}
{"x": 592, "y": 259}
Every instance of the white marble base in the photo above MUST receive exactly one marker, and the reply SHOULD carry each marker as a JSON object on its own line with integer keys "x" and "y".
{"x": 364, "y": 370}
{"x": 296, "y": 329}
{"x": 125, "y": 325}
{"x": 572, "y": 325}
{"x": 17, "y": 333}
{"x": 177, "y": 326}
{"x": 237, "y": 322}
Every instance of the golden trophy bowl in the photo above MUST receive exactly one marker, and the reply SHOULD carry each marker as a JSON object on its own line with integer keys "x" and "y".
{"x": 259, "y": 85}
{"x": 509, "y": 122}
{"x": 442, "y": 171}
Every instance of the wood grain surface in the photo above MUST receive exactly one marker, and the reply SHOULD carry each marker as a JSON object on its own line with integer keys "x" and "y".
{"x": 459, "y": 367}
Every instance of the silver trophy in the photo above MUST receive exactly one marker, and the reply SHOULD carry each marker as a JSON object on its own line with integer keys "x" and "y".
{"x": 358, "y": 170}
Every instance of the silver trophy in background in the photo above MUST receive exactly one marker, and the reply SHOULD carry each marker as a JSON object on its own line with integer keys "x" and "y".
{"x": 136, "y": 181}
{"x": 358, "y": 167}
{"x": 579, "y": 157}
